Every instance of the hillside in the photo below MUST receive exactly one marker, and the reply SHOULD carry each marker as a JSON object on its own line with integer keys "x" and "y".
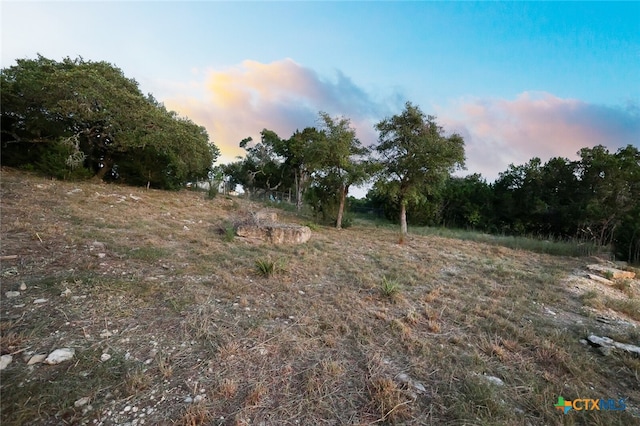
{"x": 171, "y": 322}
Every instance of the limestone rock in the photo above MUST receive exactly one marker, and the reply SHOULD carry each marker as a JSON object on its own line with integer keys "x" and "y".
{"x": 11, "y": 294}
{"x": 276, "y": 233}
{"x": 5, "y": 360}
{"x": 60, "y": 355}
{"x": 614, "y": 273}
{"x": 264, "y": 216}
{"x": 606, "y": 344}
{"x": 36, "y": 359}
{"x": 599, "y": 279}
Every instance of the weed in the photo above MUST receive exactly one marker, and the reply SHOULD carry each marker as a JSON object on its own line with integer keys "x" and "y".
{"x": 195, "y": 415}
{"x": 228, "y": 388}
{"x": 313, "y": 226}
{"x": 629, "y": 307}
{"x": 229, "y": 233}
{"x": 608, "y": 275}
{"x": 137, "y": 381}
{"x": 388, "y": 400}
{"x": 389, "y": 288}
{"x": 267, "y": 267}
{"x": 624, "y": 286}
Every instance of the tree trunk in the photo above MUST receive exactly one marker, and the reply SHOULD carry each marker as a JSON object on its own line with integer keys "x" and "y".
{"x": 108, "y": 164}
{"x": 343, "y": 197}
{"x": 403, "y": 218}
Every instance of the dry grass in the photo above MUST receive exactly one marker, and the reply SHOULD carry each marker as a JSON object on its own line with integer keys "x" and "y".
{"x": 180, "y": 308}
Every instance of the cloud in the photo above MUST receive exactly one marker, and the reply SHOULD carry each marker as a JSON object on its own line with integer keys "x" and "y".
{"x": 498, "y": 132}
{"x": 282, "y": 96}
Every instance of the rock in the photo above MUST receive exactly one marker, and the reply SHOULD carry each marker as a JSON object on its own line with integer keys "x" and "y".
{"x": 276, "y": 233}
{"x": 605, "y": 344}
{"x": 65, "y": 293}
{"x": 36, "y": 359}
{"x": 40, "y": 301}
{"x": 492, "y": 379}
{"x": 60, "y": 355}
{"x": 101, "y": 255}
{"x": 188, "y": 400}
{"x": 134, "y": 198}
{"x": 5, "y": 360}
{"x": 264, "y": 216}
{"x": 82, "y": 401}
{"x": 105, "y": 357}
{"x": 97, "y": 245}
{"x": 599, "y": 279}
{"x": 23, "y": 286}
{"x": 74, "y": 191}
{"x": 614, "y": 273}
{"x": 11, "y": 294}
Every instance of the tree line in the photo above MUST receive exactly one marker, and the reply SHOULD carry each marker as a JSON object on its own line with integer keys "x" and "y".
{"x": 81, "y": 119}
{"x": 84, "y": 119}
{"x": 595, "y": 198}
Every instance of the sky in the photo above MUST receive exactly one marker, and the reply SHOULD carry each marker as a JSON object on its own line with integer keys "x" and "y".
{"x": 516, "y": 79}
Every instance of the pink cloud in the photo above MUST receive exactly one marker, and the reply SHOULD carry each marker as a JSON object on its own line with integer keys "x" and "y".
{"x": 282, "y": 96}
{"x": 498, "y": 132}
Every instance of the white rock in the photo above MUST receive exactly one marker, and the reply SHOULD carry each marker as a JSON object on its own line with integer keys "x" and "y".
{"x": 82, "y": 401}
{"x": 36, "y": 359}
{"x": 188, "y": 400}
{"x": 40, "y": 301}
{"x": 5, "y": 360}
{"x": 65, "y": 293}
{"x": 23, "y": 287}
{"x": 134, "y": 198}
{"x": 11, "y": 294}
{"x": 494, "y": 380}
{"x": 198, "y": 398}
{"x": 105, "y": 357}
{"x": 60, "y": 355}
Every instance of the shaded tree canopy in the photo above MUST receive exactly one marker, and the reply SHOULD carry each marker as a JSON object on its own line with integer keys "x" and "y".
{"x": 415, "y": 156}
{"x": 86, "y": 118}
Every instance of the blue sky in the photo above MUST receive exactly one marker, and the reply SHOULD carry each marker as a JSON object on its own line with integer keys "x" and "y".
{"x": 516, "y": 79}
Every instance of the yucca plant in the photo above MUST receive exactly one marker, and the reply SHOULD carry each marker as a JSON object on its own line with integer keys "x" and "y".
{"x": 389, "y": 288}
{"x": 267, "y": 267}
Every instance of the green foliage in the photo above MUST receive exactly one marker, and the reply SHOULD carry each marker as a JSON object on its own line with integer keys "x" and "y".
{"x": 267, "y": 267}
{"x": 229, "y": 233}
{"x": 416, "y": 157}
{"x": 110, "y": 127}
{"x": 389, "y": 288}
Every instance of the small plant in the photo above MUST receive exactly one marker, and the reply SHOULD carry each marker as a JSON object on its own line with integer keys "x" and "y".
{"x": 212, "y": 192}
{"x": 389, "y": 288}
{"x": 624, "y": 286}
{"x": 229, "y": 233}
{"x": 268, "y": 267}
{"x": 313, "y": 226}
{"x": 608, "y": 275}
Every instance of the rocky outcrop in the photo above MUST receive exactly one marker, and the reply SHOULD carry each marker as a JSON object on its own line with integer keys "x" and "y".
{"x": 276, "y": 233}
{"x": 610, "y": 272}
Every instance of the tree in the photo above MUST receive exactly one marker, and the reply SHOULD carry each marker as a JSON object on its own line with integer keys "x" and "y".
{"x": 102, "y": 118}
{"x": 415, "y": 155}
{"x": 339, "y": 157}
{"x": 301, "y": 157}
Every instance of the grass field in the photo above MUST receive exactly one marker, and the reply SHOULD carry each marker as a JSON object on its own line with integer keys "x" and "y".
{"x": 201, "y": 327}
